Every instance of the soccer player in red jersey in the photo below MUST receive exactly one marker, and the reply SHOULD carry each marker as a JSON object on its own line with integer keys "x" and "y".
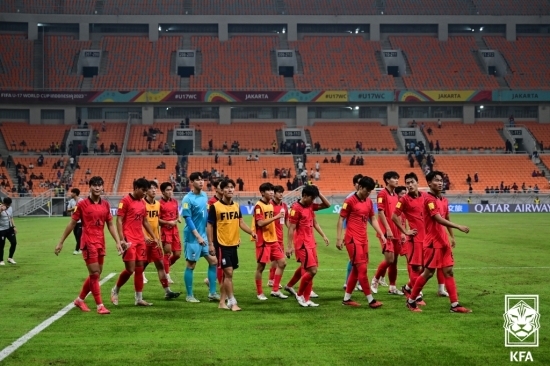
{"x": 267, "y": 246}
{"x": 391, "y": 248}
{"x": 94, "y": 213}
{"x": 357, "y": 210}
{"x": 278, "y": 207}
{"x": 218, "y": 194}
{"x": 302, "y": 241}
{"x": 131, "y": 220}
{"x": 437, "y": 249}
{"x": 169, "y": 235}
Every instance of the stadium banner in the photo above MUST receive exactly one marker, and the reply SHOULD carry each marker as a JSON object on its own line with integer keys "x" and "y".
{"x": 17, "y": 96}
{"x": 443, "y": 95}
{"x": 370, "y": 96}
{"x": 510, "y": 208}
{"x": 332, "y": 96}
{"x": 521, "y": 96}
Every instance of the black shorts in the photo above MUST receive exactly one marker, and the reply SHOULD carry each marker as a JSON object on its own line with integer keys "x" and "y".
{"x": 227, "y": 256}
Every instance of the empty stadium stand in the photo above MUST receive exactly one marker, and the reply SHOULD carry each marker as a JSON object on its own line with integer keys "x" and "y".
{"x": 241, "y": 63}
{"x": 37, "y": 137}
{"x": 512, "y": 7}
{"x": 59, "y": 7}
{"x": 341, "y": 136}
{"x": 439, "y": 65}
{"x": 114, "y": 133}
{"x": 247, "y": 134}
{"x": 249, "y": 171}
{"x": 320, "y": 7}
{"x": 61, "y": 55}
{"x": 427, "y": 7}
{"x": 546, "y": 161}
{"x": 138, "y": 142}
{"x": 104, "y": 166}
{"x": 134, "y": 63}
{"x": 138, "y": 167}
{"x": 340, "y": 63}
{"x": 528, "y": 60}
{"x": 16, "y": 56}
{"x": 541, "y": 132}
{"x": 143, "y": 7}
{"x": 460, "y": 136}
{"x": 234, "y": 7}
{"x": 491, "y": 169}
{"x": 8, "y": 6}
{"x": 47, "y": 171}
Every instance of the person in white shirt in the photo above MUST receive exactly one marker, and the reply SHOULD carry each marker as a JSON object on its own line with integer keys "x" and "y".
{"x": 7, "y": 231}
{"x": 300, "y": 166}
{"x": 317, "y": 175}
{"x": 71, "y": 207}
{"x": 317, "y": 166}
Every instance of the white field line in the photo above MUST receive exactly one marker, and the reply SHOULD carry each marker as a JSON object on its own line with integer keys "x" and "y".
{"x": 39, "y": 328}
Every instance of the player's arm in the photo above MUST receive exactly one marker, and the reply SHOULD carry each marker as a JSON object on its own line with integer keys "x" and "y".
{"x": 376, "y": 227}
{"x": 261, "y": 222}
{"x": 112, "y": 230}
{"x": 244, "y": 227}
{"x": 320, "y": 231}
{"x": 440, "y": 220}
{"x": 210, "y": 228}
{"x": 191, "y": 226}
{"x": 69, "y": 229}
{"x": 150, "y": 231}
{"x": 384, "y": 221}
{"x": 290, "y": 240}
{"x": 450, "y": 231}
{"x": 324, "y": 202}
{"x": 397, "y": 221}
{"x": 119, "y": 230}
{"x": 339, "y": 232}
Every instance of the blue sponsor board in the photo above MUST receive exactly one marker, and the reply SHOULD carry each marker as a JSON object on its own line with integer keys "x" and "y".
{"x": 521, "y": 95}
{"x": 459, "y": 208}
{"x": 510, "y": 208}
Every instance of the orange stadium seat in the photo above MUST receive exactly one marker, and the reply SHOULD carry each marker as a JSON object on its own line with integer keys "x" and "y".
{"x": 103, "y": 166}
{"x": 138, "y": 142}
{"x": 143, "y": 7}
{"x": 234, "y": 7}
{"x": 245, "y": 133}
{"x": 340, "y": 63}
{"x": 37, "y": 137}
{"x": 16, "y": 55}
{"x": 249, "y": 171}
{"x": 59, "y": 7}
{"x": 241, "y": 63}
{"x": 47, "y": 170}
{"x": 142, "y": 166}
{"x": 546, "y": 161}
{"x": 442, "y": 65}
{"x": 60, "y": 54}
{"x": 460, "y": 136}
{"x": 427, "y": 7}
{"x": 512, "y": 7}
{"x": 8, "y": 6}
{"x": 114, "y": 133}
{"x": 8, "y": 179}
{"x": 321, "y": 7}
{"x": 491, "y": 170}
{"x": 341, "y": 136}
{"x": 541, "y": 131}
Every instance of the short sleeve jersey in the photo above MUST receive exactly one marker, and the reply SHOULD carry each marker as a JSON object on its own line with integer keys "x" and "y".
{"x": 386, "y": 202}
{"x": 279, "y": 224}
{"x": 132, "y": 211}
{"x": 195, "y": 206}
{"x": 168, "y": 209}
{"x": 153, "y": 210}
{"x": 412, "y": 209}
{"x": 303, "y": 217}
{"x": 211, "y": 201}
{"x": 93, "y": 216}
{"x": 357, "y": 212}
{"x": 72, "y": 203}
{"x": 435, "y": 234}
{"x": 267, "y": 233}
{"x": 225, "y": 219}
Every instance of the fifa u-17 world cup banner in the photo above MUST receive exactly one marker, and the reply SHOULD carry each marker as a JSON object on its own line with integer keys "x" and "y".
{"x": 510, "y": 208}
{"x": 443, "y": 95}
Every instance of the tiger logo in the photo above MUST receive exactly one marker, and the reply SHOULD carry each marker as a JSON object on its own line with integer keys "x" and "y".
{"x": 521, "y": 321}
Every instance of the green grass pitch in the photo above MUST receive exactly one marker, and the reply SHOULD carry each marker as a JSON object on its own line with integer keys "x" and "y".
{"x": 503, "y": 254}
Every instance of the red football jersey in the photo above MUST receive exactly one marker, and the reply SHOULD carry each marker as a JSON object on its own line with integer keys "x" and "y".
{"x": 303, "y": 217}
{"x": 212, "y": 200}
{"x": 279, "y": 224}
{"x": 435, "y": 234}
{"x": 168, "y": 210}
{"x": 93, "y": 216}
{"x": 357, "y": 212}
{"x": 386, "y": 202}
{"x": 412, "y": 209}
{"x": 132, "y": 211}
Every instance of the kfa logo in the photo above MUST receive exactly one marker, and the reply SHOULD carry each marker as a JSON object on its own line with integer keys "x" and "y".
{"x": 521, "y": 325}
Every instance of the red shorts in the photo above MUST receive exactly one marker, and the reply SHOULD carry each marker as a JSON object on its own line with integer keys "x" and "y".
{"x": 93, "y": 253}
{"x": 405, "y": 245}
{"x": 269, "y": 252}
{"x": 391, "y": 246}
{"x": 307, "y": 257}
{"x": 136, "y": 252}
{"x": 358, "y": 253}
{"x": 414, "y": 253}
{"x": 171, "y": 236}
{"x": 154, "y": 253}
{"x": 438, "y": 257}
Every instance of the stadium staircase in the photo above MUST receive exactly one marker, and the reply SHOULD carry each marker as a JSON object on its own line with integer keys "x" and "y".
{"x": 98, "y": 9}
{"x": 188, "y": 6}
{"x": 299, "y": 62}
{"x": 280, "y": 138}
{"x": 38, "y": 63}
{"x": 394, "y": 133}
{"x": 542, "y": 167}
{"x": 472, "y": 9}
{"x": 308, "y": 138}
{"x": 42, "y": 202}
{"x": 380, "y": 6}
{"x": 198, "y": 62}
{"x": 198, "y": 140}
{"x": 281, "y": 7}
{"x": 122, "y": 154}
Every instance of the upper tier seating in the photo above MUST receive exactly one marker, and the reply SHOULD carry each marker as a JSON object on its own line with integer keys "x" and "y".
{"x": 8, "y": 6}
{"x": 143, "y": 7}
{"x": 340, "y": 63}
{"x": 138, "y": 142}
{"x": 103, "y": 166}
{"x": 546, "y": 161}
{"x": 37, "y": 137}
{"x": 541, "y": 131}
{"x": 114, "y": 133}
{"x": 61, "y": 54}
{"x": 241, "y": 63}
{"x": 234, "y": 7}
{"x": 528, "y": 59}
{"x": 457, "y": 135}
{"x": 59, "y": 7}
{"x": 427, "y": 7}
{"x": 16, "y": 56}
{"x": 330, "y": 7}
{"x": 138, "y": 167}
{"x": 344, "y": 136}
{"x": 512, "y": 7}
{"x": 442, "y": 65}
{"x": 251, "y": 136}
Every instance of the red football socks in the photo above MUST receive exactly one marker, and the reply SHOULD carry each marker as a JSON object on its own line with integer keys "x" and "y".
{"x": 450, "y": 284}
{"x": 440, "y": 277}
{"x": 276, "y": 282}
{"x": 259, "y": 289}
{"x": 418, "y": 286}
{"x": 85, "y": 289}
{"x": 138, "y": 279}
{"x": 392, "y": 273}
{"x": 305, "y": 280}
{"x": 173, "y": 259}
{"x": 352, "y": 280}
{"x": 363, "y": 279}
{"x": 219, "y": 275}
{"x": 94, "y": 287}
{"x": 412, "y": 277}
{"x": 307, "y": 291}
{"x": 295, "y": 278}
{"x": 381, "y": 271}
{"x": 123, "y": 278}
{"x": 166, "y": 261}
{"x": 272, "y": 273}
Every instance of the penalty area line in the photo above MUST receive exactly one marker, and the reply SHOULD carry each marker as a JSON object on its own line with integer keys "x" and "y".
{"x": 40, "y": 327}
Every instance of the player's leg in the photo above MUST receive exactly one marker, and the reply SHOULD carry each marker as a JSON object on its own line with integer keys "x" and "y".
{"x": 392, "y": 269}
{"x": 351, "y": 279}
{"x": 447, "y": 266}
{"x": 141, "y": 258}
{"x": 157, "y": 259}
{"x": 308, "y": 258}
{"x": 441, "y": 283}
{"x": 167, "y": 247}
{"x": 349, "y": 268}
{"x": 13, "y": 245}
{"x": 77, "y": 232}
{"x": 176, "y": 246}
{"x": 294, "y": 280}
{"x": 212, "y": 267}
{"x": 262, "y": 258}
{"x": 387, "y": 251}
{"x": 129, "y": 258}
{"x": 94, "y": 258}
{"x": 278, "y": 256}
{"x": 2, "y": 245}
{"x": 272, "y": 270}
{"x": 228, "y": 289}
{"x": 418, "y": 286}
{"x": 192, "y": 254}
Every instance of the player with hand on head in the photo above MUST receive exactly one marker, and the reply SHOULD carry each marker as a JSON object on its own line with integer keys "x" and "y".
{"x": 169, "y": 234}
{"x": 93, "y": 212}
{"x": 195, "y": 214}
{"x": 131, "y": 220}
{"x": 357, "y": 210}
{"x": 278, "y": 207}
{"x": 224, "y": 221}
{"x": 437, "y": 251}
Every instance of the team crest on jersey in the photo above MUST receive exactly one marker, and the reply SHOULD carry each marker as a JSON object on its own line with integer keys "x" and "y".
{"x": 431, "y": 205}
{"x": 258, "y": 211}
{"x": 380, "y": 200}
{"x": 292, "y": 212}
{"x": 344, "y": 206}
{"x": 120, "y": 205}
{"x": 398, "y": 205}
{"x": 185, "y": 205}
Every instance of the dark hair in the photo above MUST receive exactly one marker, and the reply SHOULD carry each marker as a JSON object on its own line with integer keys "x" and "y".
{"x": 266, "y": 187}
{"x": 224, "y": 183}
{"x": 96, "y": 181}
{"x": 411, "y": 175}
{"x": 357, "y": 178}
{"x": 216, "y": 183}
{"x": 152, "y": 183}
{"x": 389, "y": 175}
{"x": 75, "y": 191}
{"x": 165, "y": 185}
{"x": 194, "y": 176}
{"x": 278, "y": 189}
{"x": 310, "y": 191}
{"x": 7, "y": 201}
{"x": 141, "y": 183}
{"x": 431, "y": 175}
{"x": 366, "y": 182}
{"x": 400, "y": 189}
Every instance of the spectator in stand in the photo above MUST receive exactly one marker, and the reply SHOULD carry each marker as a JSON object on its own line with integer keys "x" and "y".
{"x": 476, "y": 177}
{"x": 88, "y": 171}
{"x": 431, "y": 145}
{"x": 325, "y": 161}
{"x": 31, "y": 166}
{"x": 274, "y": 146}
{"x": 536, "y": 188}
{"x": 515, "y": 187}
{"x": 502, "y": 185}
{"x": 162, "y": 165}
{"x": 216, "y": 157}
{"x": 338, "y": 158}
{"x": 422, "y": 127}
{"x": 469, "y": 179}
{"x": 317, "y": 175}
{"x": 40, "y": 160}
{"x": 511, "y": 121}
{"x": 240, "y": 183}
{"x": 317, "y": 166}
{"x": 541, "y": 144}
{"x": 186, "y": 121}
{"x": 249, "y": 157}
{"x": 229, "y": 161}
{"x": 85, "y": 124}
{"x": 438, "y": 123}
{"x": 59, "y": 174}
{"x": 288, "y": 185}
{"x": 487, "y": 189}
{"x": 71, "y": 161}
{"x": 429, "y": 130}
{"x": 411, "y": 160}
{"x": 264, "y": 173}
{"x": 256, "y": 158}
{"x": 437, "y": 147}
{"x": 534, "y": 174}
{"x": 103, "y": 127}
{"x": 470, "y": 189}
